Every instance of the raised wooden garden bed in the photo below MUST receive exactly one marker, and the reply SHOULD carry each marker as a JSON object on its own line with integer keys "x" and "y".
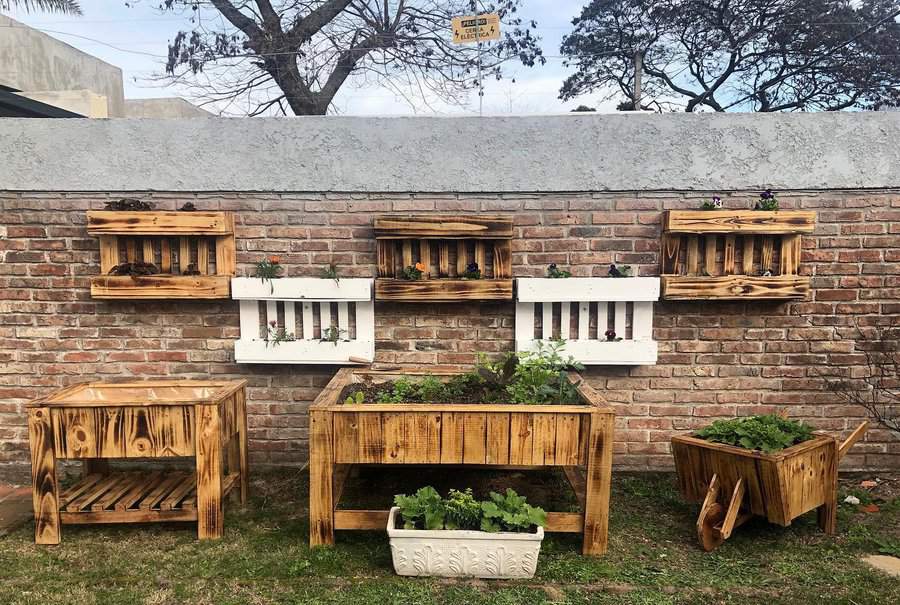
{"x": 582, "y": 310}
{"x": 733, "y": 254}
{"x": 734, "y": 483}
{"x": 194, "y": 253}
{"x": 161, "y": 419}
{"x": 445, "y": 246}
{"x": 324, "y": 321}
{"x": 577, "y": 438}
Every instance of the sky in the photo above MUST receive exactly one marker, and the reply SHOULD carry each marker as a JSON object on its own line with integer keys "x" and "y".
{"x": 134, "y": 37}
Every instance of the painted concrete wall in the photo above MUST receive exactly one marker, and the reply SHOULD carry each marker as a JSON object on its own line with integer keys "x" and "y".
{"x": 173, "y": 107}
{"x": 575, "y": 152}
{"x": 33, "y": 61}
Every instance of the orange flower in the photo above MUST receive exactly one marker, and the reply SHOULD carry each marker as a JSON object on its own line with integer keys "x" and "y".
{"x": 420, "y": 266}
{"x": 274, "y": 259}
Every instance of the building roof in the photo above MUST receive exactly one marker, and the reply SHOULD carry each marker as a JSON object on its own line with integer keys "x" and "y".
{"x": 17, "y": 106}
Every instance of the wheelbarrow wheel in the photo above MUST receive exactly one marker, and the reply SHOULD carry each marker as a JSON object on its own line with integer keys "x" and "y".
{"x": 710, "y": 537}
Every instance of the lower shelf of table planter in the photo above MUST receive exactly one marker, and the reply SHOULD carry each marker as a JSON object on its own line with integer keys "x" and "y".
{"x": 377, "y": 519}
{"x": 733, "y": 287}
{"x": 160, "y": 286}
{"x": 443, "y": 290}
{"x": 134, "y": 497}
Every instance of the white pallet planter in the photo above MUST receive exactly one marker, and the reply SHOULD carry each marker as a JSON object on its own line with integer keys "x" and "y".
{"x": 306, "y": 308}
{"x": 580, "y": 310}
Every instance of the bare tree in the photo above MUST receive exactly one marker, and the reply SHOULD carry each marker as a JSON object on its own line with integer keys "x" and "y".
{"x": 875, "y": 386}
{"x": 294, "y": 56}
{"x": 742, "y": 55}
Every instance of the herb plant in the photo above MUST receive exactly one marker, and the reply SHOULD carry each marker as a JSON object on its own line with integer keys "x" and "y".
{"x": 508, "y": 512}
{"x": 463, "y": 510}
{"x": 413, "y": 272}
{"x": 556, "y": 273}
{"x": 357, "y": 397}
{"x": 766, "y": 201}
{"x": 332, "y": 334}
{"x": 268, "y": 269}
{"x": 276, "y": 335}
{"x": 423, "y": 510}
{"x": 768, "y": 433}
{"x": 331, "y": 272}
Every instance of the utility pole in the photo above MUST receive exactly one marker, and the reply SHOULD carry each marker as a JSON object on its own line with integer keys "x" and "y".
{"x": 638, "y": 68}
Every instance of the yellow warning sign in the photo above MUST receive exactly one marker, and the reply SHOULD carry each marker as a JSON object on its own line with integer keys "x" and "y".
{"x": 476, "y": 28}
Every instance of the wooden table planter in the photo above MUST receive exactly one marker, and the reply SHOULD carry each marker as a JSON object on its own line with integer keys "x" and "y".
{"x": 445, "y": 245}
{"x": 577, "y": 438}
{"x": 734, "y": 483}
{"x": 95, "y": 422}
{"x": 738, "y": 248}
{"x": 175, "y": 242}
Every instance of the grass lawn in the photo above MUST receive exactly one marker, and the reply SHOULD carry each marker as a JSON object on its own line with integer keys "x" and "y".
{"x": 264, "y": 558}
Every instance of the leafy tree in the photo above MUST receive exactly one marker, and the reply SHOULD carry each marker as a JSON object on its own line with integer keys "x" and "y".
{"x": 69, "y": 7}
{"x": 294, "y": 56}
{"x": 721, "y": 55}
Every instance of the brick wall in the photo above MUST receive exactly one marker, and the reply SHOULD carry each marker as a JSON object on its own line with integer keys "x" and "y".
{"x": 716, "y": 359}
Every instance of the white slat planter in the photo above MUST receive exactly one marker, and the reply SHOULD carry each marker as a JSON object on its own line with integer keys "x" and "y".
{"x": 580, "y": 310}
{"x": 306, "y": 307}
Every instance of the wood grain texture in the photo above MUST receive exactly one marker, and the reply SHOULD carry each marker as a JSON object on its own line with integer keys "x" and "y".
{"x": 45, "y": 489}
{"x": 443, "y": 290}
{"x": 733, "y": 287}
{"x": 116, "y": 222}
{"x": 210, "y": 495}
{"x": 113, "y": 287}
{"x": 598, "y": 479}
{"x": 739, "y": 221}
{"x": 444, "y": 226}
{"x": 321, "y": 468}
{"x": 502, "y": 260}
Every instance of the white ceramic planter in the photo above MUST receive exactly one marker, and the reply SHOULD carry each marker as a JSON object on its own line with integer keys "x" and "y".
{"x": 463, "y": 553}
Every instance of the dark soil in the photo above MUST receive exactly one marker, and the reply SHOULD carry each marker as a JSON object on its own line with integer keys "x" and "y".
{"x": 134, "y": 269}
{"x": 371, "y": 390}
{"x": 188, "y": 207}
{"x": 128, "y": 203}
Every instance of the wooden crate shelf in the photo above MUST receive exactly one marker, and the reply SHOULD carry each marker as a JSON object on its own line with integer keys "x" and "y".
{"x": 580, "y": 310}
{"x": 175, "y": 242}
{"x": 445, "y": 245}
{"x": 306, "y": 308}
{"x": 733, "y": 254}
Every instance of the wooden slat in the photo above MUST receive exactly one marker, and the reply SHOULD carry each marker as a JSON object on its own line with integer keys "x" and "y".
{"x": 790, "y": 255}
{"x": 497, "y": 439}
{"x": 565, "y": 320}
{"x": 124, "y": 483}
{"x": 406, "y": 253}
{"x": 109, "y": 253}
{"x": 521, "y": 438}
{"x": 747, "y": 254}
{"x": 370, "y": 439}
{"x": 599, "y": 479}
{"x": 142, "y": 487}
{"x": 129, "y": 516}
{"x": 225, "y": 255}
{"x": 425, "y": 257}
{"x": 567, "y": 439}
{"x": 165, "y": 262}
{"x": 160, "y": 490}
{"x": 452, "y": 437}
{"x": 584, "y": 318}
{"x": 744, "y": 221}
{"x": 444, "y": 226}
{"x": 184, "y": 253}
{"x": 443, "y": 259}
{"x": 202, "y": 256}
{"x": 111, "y": 287}
{"x": 692, "y": 256}
{"x": 45, "y": 489}
{"x": 89, "y": 496}
{"x": 710, "y": 243}
{"x": 384, "y": 250}
{"x": 728, "y": 258}
{"x": 377, "y": 520}
{"x": 130, "y": 250}
{"x": 112, "y": 222}
{"x": 395, "y": 442}
{"x": 147, "y": 254}
{"x": 346, "y": 437}
{"x": 462, "y": 257}
{"x": 443, "y": 290}
{"x": 321, "y": 468}
{"x": 179, "y": 492}
{"x": 75, "y": 490}
{"x": 210, "y": 505}
{"x": 734, "y": 287}
{"x": 474, "y": 438}
{"x": 481, "y": 257}
{"x": 290, "y": 316}
{"x": 671, "y": 248}
{"x": 547, "y": 320}
{"x": 767, "y": 251}
{"x": 544, "y": 443}
{"x": 307, "y": 310}
{"x": 502, "y": 260}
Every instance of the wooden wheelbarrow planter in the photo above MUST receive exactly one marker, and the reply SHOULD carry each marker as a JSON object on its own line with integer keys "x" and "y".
{"x": 576, "y": 437}
{"x": 734, "y": 484}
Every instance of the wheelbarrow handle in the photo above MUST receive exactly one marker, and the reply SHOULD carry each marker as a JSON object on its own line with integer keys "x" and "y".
{"x": 855, "y": 436}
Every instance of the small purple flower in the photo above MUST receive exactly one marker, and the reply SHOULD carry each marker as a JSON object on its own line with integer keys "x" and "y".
{"x": 472, "y": 267}
{"x": 717, "y": 201}
{"x": 273, "y": 323}
{"x": 552, "y": 267}
{"x": 610, "y": 335}
{"x": 767, "y": 194}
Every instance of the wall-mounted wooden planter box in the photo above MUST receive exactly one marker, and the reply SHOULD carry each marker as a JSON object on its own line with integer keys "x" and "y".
{"x": 306, "y": 308}
{"x": 577, "y": 438}
{"x": 580, "y": 310}
{"x": 726, "y": 254}
{"x": 175, "y": 242}
{"x": 445, "y": 245}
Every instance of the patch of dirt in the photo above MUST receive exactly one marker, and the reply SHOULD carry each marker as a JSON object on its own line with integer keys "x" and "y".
{"x": 371, "y": 390}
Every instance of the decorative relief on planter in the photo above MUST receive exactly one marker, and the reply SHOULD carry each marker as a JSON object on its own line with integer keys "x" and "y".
{"x": 305, "y": 320}
{"x": 603, "y": 320}
{"x": 162, "y": 255}
{"x": 733, "y": 254}
{"x": 462, "y": 553}
{"x": 441, "y": 250}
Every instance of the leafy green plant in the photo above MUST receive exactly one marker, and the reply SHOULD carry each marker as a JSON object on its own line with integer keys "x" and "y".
{"x": 473, "y": 271}
{"x": 766, "y": 201}
{"x": 413, "y": 272}
{"x": 541, "y": 376}
{"x": 268, "y": 269}
{"x": 332, "y": 334}
{"x": 276, "y": 335}
{"x": 510, "y": 512}
{"x": 423, "y": 510}
{"x": 496, "y": 376}
{"x": 331, "y": 272}
{"x": 357, "y": 397}
{"x": 402, "y": 390}
{"x": 556, "y": 273}
{"x": 768, "y": 433}
{"x": 620, "y": 271}
{"x": 463, "y": 510}
{"x": 430, "y": 389}
{"x": 714, "y": 204}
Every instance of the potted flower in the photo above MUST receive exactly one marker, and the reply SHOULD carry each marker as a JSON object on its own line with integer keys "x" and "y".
{"x": 459, "y": 536}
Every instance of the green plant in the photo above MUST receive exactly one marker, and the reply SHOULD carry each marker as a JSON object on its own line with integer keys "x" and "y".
{"x": 620, "y": 271}
{"x": 331, "y": 272}
{"x": 430, "y": 389}
{"x": 766, "y": 201}
{"x": 357, "y": 397}
{"x": 768, "y": 433}
{"x": 276, "y": 335}
{"x": 402, "y": 390}
{"x": 496, "y": 376}
{"x": 413, "y": 272}
{"x": 510, "y": 512}
{"x": 541, "y": 376}
{"x": 463, "y": 510}
{"x": 268, "y": 269}
{"x": 714, "y": 204}
{"x": 472, "y": 271}
{"x": 423, "y": 510}
{"x": 332, "y": 334}
{"x": 556, "y": 273}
